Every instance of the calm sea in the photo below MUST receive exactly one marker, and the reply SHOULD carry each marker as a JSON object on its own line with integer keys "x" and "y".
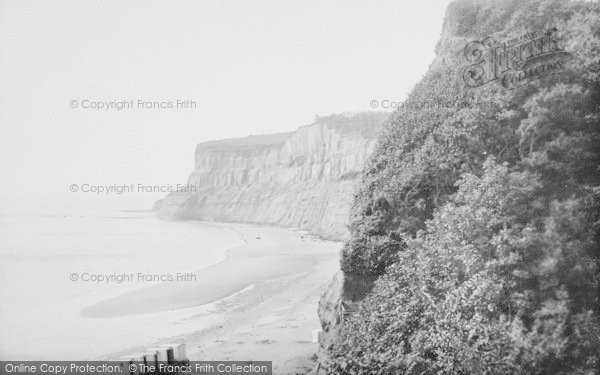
{"x": 53, "y": 266}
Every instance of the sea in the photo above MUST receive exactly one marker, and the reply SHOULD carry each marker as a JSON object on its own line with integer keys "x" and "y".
{"x": 53, "y": 266}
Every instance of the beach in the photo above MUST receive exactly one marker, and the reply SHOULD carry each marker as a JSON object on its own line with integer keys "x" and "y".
{"x": 279, "y": 275}
{"x": 248, "y": 292}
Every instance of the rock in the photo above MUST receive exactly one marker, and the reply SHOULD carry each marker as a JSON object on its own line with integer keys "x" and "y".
{"x": 304, "y": 179}
{"x": 347, "y": 287}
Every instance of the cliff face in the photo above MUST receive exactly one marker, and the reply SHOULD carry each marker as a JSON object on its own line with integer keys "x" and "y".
{"x": 303, "y": 179}
{"x": 491, "y": 183}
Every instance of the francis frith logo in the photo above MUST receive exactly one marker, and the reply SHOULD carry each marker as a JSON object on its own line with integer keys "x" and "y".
{"x": 515, "y": 62}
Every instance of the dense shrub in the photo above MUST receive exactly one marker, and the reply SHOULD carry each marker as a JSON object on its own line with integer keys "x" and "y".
{"x": 482, "y": 223}
{"x": 485, "y": 289}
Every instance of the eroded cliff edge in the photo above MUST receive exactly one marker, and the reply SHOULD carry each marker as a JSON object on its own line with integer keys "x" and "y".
{"x": 304, "y": 179}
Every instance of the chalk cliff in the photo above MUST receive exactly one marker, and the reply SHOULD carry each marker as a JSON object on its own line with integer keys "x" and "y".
{"x": 304, "y": 179}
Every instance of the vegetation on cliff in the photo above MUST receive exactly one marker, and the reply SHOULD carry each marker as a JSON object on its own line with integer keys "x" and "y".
{"x": 482, "y": 222}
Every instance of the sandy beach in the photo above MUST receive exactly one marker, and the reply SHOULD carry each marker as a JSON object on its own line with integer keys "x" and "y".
{"x": 258, "y": 304}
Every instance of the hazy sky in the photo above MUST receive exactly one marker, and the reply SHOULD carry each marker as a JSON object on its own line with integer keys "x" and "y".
{"x": 252, "y": 67}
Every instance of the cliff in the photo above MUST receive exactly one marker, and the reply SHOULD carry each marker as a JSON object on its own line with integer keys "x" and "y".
{"x": 488, "y": 193}
{"x": 304, "y": 179}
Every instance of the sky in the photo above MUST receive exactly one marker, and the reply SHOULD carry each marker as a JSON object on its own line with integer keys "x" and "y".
{"x": 250, "y": 67}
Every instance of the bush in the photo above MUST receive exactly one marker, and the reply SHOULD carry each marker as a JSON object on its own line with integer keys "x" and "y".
{"x": 487, "y": 245}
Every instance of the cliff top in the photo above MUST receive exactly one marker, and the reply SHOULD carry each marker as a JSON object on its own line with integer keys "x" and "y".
{"x": 366, "y": 124}
{"x": 363, "y": 123}
{"x": 250, "y": 142}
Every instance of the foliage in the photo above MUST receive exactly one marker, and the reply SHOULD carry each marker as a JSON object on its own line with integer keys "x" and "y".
{"x": 485, "y": 289}
{"x": 483, "y": 223}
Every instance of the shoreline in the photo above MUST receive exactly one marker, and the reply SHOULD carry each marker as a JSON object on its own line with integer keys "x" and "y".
{"x": 260, "y": 303}
{"x": 256, "y": 260}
